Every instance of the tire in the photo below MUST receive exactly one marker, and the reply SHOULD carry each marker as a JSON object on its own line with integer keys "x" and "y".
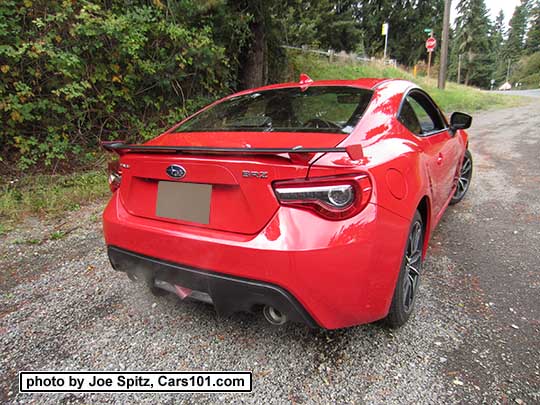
{"x": 464, "y": 179}
{"x": 409, "y": 276}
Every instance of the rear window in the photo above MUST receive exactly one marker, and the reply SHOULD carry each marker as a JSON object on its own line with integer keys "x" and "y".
{"x": 334, "y": 109}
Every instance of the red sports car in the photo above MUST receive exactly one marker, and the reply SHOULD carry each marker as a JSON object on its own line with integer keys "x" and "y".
{"x": 310, "y": 201}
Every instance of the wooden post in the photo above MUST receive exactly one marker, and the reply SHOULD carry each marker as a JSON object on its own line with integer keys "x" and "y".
{"x": 459, "y": 69}
{"x": 428, "y": 63}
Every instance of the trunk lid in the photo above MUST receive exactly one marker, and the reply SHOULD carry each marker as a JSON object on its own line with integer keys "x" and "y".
{"x": 223, "y": 192}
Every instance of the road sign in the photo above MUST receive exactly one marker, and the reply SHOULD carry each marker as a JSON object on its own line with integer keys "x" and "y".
{"x": 431, "y": 43}
{"x": 385, "y": 33}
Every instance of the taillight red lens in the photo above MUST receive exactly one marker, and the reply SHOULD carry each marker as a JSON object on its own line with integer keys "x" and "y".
{"x": 115, "y": 175}
{"x": 333, "y": 198}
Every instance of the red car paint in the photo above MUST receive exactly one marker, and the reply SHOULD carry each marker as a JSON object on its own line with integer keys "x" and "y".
{"x": 343, "y": 272}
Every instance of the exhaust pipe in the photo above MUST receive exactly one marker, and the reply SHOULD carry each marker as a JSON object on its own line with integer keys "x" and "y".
{"x": 273, "y": 316}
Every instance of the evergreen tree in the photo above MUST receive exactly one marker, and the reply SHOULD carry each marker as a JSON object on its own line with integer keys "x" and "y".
{"x": 497, "y": 32}
{"x": 533, "y": 36}
{"x": 407, "y": 20}
{"x": 497, "y": 44}
{"x": 514, "y": 45}
{"x": 473, "y": 42}
{"x": 323, "y": 24}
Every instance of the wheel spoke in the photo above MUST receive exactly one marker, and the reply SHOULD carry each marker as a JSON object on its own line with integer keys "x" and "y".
{"x": 415, "y": 238}
{"x": 412, "y": 280}
{"x": 461, "y": 186}
{"x": 411, "y": 291}
{"x": 406, "y": 292}
{"x": 415, "y": 257}
{"x": 466, "y": 166}
{"x": 413, "y": 270}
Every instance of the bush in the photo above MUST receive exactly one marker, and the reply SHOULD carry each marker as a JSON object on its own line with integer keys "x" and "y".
{"x": 527, "y": 71}
{"x": 76, "y": 72}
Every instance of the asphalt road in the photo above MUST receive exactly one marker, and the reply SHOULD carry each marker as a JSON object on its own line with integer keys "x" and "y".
{"x": 526, "y": 93}
{"x": 475, "y": 336}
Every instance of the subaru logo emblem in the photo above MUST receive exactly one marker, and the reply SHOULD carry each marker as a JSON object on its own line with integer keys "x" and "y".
{"x": 176, "y": 171}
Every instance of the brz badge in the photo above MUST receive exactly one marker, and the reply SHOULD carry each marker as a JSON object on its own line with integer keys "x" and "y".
{"x": 257, "y": 175}
{"x": 176, "y": 171}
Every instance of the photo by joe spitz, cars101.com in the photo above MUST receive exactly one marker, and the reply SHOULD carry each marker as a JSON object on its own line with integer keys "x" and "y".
{"x": 311, "y": 202}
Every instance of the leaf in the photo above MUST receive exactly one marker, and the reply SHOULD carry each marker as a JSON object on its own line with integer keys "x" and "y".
{"x": 16, "y": 116}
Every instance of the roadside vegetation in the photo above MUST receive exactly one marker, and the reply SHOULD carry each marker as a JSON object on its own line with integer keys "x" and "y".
{"x": 75, "y": 73}
{"x": 454, "y": 98}
{"x": 49, "y": 195}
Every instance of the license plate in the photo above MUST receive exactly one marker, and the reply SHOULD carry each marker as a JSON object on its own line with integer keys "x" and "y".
{"x": 184, "y": 201}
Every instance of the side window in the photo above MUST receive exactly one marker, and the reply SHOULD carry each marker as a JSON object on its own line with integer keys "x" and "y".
{"x": 408, "y": 118}
{"x": 420, "y": 115}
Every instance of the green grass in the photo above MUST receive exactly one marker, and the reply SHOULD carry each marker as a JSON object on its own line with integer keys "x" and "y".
{"x": 454, "y": 98}
{"x": 49, "y": 195}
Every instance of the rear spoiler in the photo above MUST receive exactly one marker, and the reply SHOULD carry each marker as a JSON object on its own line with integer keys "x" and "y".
{"x": 355, "y": 152}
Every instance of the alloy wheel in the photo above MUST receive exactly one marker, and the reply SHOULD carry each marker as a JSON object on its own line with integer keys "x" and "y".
{"x": 413, "y": 264}
{"x": 464, "y": 178}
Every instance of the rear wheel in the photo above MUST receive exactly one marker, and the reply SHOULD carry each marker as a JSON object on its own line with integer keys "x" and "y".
{"x": 464, "y": 179}
{"x": 409, "y": 276}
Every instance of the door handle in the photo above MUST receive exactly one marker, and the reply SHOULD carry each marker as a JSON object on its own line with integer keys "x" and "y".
{"x": 439, "y": 158}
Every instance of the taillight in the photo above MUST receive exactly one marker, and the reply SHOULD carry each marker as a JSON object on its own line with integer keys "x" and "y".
{"x": 115, "y": 175}
{"x": 333, "y": 198}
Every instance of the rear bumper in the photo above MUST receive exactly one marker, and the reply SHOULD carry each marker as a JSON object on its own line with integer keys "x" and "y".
{"x": 229, "y": 294}
{"x": 334, "y": 273}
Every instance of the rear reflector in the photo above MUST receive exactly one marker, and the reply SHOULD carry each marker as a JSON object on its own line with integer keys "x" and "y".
{"x": 115, "y": 175}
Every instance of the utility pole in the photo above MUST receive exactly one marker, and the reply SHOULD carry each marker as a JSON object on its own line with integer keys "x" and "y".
{"x": 459, "y": 69}
{"x": 508, "y": 71}
{"x": 444, "y": 45}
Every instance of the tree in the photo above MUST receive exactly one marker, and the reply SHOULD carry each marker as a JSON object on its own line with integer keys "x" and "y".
{"x": 323, "y": 24}
{"x": 514, "y": 44}
{"x": 497, "y": 32}
{"x": 497, "y": 45}
{"x": 472, "y": 41}
{"x": 533, "y": 36}
{"x": 407, "y": 20}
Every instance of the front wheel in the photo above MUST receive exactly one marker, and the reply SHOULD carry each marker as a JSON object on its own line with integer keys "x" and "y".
{"x": 464, "y": 179}
{"x": 409, "y": 276}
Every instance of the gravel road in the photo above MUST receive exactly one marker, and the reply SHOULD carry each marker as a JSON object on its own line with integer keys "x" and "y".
{"x": 475, "y": 337}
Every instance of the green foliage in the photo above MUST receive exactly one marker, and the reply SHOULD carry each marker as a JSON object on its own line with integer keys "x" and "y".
{"x": 407, "y": 21}
{"x": 527, "y": 71}
{"x": 56, "y": 235}
{"x": 533, "y": 36}
{"x": 515, "y": 42}
{"x": 323, "y": 24}
{"x": 74, "y": 73}
{"x": 472, "y": 41}
{"x": 50, "y": 195}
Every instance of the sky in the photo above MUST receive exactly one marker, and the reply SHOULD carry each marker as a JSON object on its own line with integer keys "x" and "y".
{"x": 493, "y": 6}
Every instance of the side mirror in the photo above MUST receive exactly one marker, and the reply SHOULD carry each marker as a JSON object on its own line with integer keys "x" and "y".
{"x": 460, "y": 120}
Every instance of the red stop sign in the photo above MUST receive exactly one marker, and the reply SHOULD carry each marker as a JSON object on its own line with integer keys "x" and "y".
{"x": 431, "y": 43}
